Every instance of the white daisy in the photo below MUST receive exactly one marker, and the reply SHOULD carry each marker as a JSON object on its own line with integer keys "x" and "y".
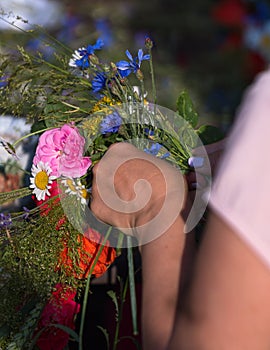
{"x": 76, "y": 188}
{"x": 41, "y": 180}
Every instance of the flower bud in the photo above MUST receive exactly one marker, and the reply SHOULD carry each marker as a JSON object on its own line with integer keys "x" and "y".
{"x": 148, "y": 43}
{"x": 139, "y": 75}
{"x": 106, "y": 68}
{"x": 113, "y": 67}
{"x": 93, "y": 59}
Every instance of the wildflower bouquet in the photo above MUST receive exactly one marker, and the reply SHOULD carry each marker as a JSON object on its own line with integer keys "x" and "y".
{"x": 78, "y": 104}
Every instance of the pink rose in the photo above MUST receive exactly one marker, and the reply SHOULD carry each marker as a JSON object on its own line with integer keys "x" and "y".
{"x": 63, "y": 148}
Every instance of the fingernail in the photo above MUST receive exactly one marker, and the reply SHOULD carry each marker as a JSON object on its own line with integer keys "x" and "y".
{"x": 196, "y": 162}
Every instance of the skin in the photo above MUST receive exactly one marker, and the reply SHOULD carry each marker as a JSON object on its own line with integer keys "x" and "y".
{"x": 214, "y": 152}
{"x": 218, "y": 299}
{"x": 161, "y": 255}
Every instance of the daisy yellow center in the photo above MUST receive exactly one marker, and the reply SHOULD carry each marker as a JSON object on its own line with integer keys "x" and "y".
{"x": 71, "y": 185}
{"x": 84, "y": 193}
{"x": 41, "y": 180}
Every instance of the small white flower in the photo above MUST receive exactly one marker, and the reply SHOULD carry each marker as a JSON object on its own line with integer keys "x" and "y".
{"x": 76, "y": 188}
{"x": 41, "y": 180}
{"x": 75, "y": 57}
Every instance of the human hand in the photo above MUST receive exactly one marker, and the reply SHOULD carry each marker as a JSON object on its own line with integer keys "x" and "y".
{"x": 137, "y": 192}
{"x": 204, "y": 168}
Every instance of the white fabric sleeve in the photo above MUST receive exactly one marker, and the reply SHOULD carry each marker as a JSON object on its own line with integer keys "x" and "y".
{"x": 241, "y": 190}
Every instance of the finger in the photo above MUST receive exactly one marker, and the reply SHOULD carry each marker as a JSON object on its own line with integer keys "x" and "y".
{"x": 196, "y": 181}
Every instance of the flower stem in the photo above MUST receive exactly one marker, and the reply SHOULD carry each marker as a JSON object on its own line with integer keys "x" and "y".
{"x": 28, "y": 135}
{"x": 132, "y": 286}
{"x": 10, "y": 239}
{"x": 154, "y": 91}
{"x": 87, "y": 287}
{"x": 119, "y": 319}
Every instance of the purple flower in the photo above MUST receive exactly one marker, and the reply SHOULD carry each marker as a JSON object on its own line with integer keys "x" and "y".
{"x": 5, "y": 220}
{"x": 80, "y": 58}
{"x": 154, "y": 150}
{"x": 26, "y": 213}
{"x": 134, "y": 64}
{"x": 111, "y": 123}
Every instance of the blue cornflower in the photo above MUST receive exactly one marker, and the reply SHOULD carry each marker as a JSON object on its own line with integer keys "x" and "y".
{"x": 154, "y": 150}
{"x": 149, "y": 132}
{"x": 5, "y": 220}
{"x": 99, "y": 82}
{"x": 80, "y": 58}
{"x": 111, "y": 123}
{"x": 3, "y": 81}
{"x": 134, "y": 64}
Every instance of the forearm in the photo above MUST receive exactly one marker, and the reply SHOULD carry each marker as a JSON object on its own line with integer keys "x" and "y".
{"x": 161, "y": 260}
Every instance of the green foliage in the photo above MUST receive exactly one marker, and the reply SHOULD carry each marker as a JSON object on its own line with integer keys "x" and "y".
{"x": 209, "y": 134}
{"x": 15, "y": 194}
{"x": 106, "y": 336}
{"x": 29, "y": 269}
{"x": 206, "y": 133}
{"x": 186, "y": 109}
{"x": 42, "y": 91}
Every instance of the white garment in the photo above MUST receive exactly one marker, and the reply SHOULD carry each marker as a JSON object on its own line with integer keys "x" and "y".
{"x": 241, "y": 190}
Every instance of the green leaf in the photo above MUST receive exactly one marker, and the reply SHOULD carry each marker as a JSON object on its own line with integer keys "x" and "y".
{"x": 186, "y": 110}
{"x": 112, "y": 295}
{"x": 68, "y": 330}
{"x": 106, "y": 335}
{"x": 38, "y": 125}
{"x": 209, "y": 134}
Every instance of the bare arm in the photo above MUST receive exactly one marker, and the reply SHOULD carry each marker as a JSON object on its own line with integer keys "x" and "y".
{"x": 161, "y": 261}
{"x": 162, "y": 253}
{"x": 228, "y": 304}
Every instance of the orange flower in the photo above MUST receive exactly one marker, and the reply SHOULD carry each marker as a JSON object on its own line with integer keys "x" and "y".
{"x": 87, "y": 254}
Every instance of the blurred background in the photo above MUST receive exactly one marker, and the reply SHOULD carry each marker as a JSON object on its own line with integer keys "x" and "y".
{"x": 213, "y": 49}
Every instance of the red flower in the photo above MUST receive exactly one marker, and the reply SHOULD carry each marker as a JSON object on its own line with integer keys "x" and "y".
{"x": 60, "y": 309}
{"x": 87, "y": 254}
{"x": 44, "y": 206}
